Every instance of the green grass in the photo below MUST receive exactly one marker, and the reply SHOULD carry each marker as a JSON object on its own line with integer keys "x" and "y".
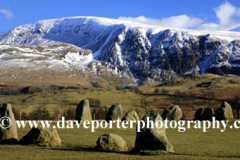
{"x": 65, "y": 99}
{"x": 80, "y": 143}
{"x": 223, "y": 87}
{"x": 129, "y": 100}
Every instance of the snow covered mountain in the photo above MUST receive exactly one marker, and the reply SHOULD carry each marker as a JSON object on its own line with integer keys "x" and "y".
{"x": 131, "y": 50}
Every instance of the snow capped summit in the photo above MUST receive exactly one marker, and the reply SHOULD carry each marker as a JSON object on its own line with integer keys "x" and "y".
{"x": 54, "y": 29}
{"x": 133, "y": 50}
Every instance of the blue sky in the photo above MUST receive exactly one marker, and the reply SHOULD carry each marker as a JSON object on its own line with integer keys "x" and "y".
{"x": 188, "y": 14}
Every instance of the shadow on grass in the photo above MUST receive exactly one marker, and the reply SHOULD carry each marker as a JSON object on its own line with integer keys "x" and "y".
{"x": 131, "y": 152}
{"x": 12, "y": 141}
{"x": 85, "y": 149}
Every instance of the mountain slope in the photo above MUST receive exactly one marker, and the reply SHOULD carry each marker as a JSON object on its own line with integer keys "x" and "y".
{"x": 135, "y": 50}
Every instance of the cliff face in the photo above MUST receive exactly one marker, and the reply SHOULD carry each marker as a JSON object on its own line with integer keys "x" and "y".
{"x": 132, "y": 50}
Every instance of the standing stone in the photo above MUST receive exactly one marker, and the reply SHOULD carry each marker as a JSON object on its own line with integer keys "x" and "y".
{"x": 152, "y": 138}
{"x": 42, "y": 137}
{"x": 83, "y": 112}
{"x": 131, "y": 116}
{"x": 111, "y": 142}
{"x": 207, "y": 114}
{"x": 198, "y": 114}
{"x": 224, "y": 112}
{"x": 114, "y": 113}
{"x": 8, "y": 128}
{"x": 172, "y": 112}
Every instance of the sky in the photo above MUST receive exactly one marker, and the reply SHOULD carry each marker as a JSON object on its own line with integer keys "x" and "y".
{"x": 185, "y": 14}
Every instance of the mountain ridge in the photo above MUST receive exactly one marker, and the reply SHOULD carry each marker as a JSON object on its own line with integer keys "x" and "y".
{"x": 135, "y": 50}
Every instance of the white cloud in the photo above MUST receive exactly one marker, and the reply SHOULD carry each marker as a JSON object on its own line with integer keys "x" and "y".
{"x": 8, "y": 14}
{"x": 208, "y": 26}
{"x": 181, "y": 21}
{"x": 226, "y": 14}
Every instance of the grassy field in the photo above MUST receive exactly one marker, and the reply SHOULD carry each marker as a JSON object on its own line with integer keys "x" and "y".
{"x": 65, "y": 99}
{"x": 80, "y": 143}
{"x": 223, "y": 87}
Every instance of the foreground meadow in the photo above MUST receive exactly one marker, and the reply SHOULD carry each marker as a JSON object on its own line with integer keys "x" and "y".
{"x": 80, "y": 144}
{"x": 189, "y": 94}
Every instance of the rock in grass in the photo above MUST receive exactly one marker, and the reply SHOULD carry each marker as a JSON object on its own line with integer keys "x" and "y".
{"x": 8, "y": 135}
{"x": 152, "y": 138}
{"x": 131, "y": 116}
{"x": 152, "y": 152}
{"x": 83, "y": 112}
{"x": 198, "y": 114}
{"x": 114, "y": 113}
{"x": 42, "y": 137}
{"x": 224, "y": 112}
{"x": 172, "y": 112}
{"x": 207, "y": 114}
{"x": 111, "y": 142}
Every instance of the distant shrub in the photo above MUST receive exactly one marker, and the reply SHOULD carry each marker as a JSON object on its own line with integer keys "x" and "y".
{"x": 72, "y": 87}
{"x": 156, "y": 91}
{"x": 56, "y": 114}
{"x": 16, "y": 114}
{"x": 133, "y": 89}
{"x": 118, "y": 88}
{"x": 100, "y": 114}
{"x": 94, "y": 102}
{"x": 164, "y": 91}
{"x": 93, "y": 112}
{"x": 24, "y": 116}
{"x": 235, "y": 100}
{"x": 177, "y": 93}
{"x": 30, "y": 116}
{"x": 8, "y": 90}
{"x": 210, "y": 95}
{"x": 31, "y": 90}
{"x": 41, "y": 114}
{"x": 69, "y": 114}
